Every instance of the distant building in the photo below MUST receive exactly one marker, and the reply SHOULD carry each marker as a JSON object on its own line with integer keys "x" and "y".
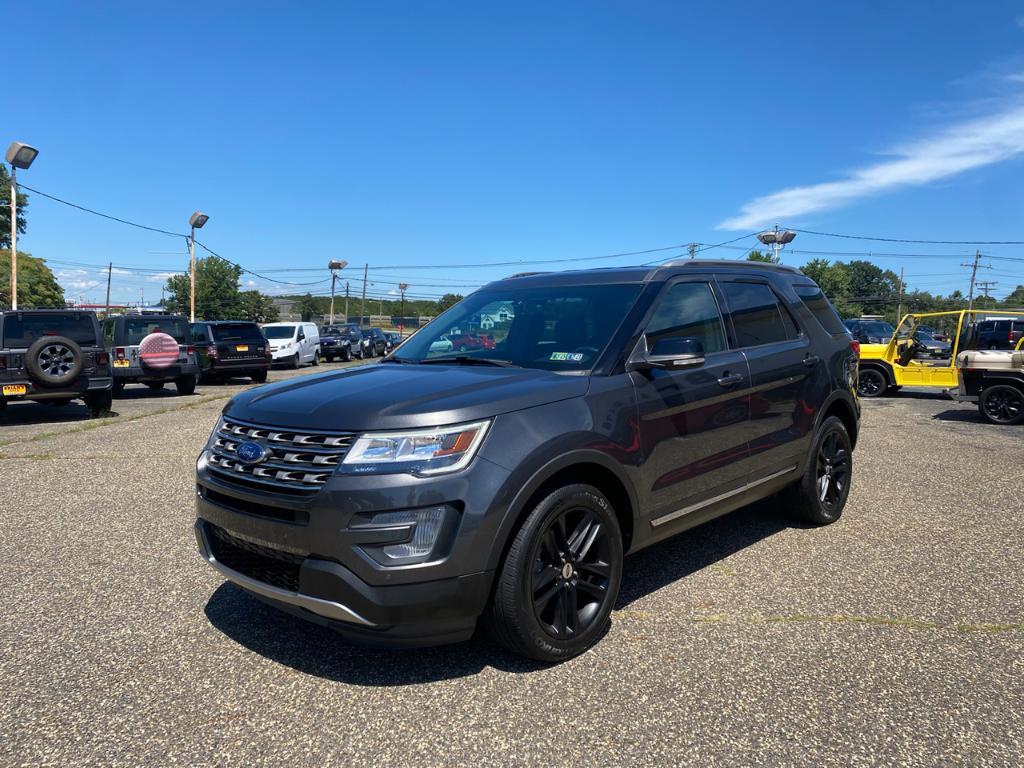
{"x": 505, "y": 314}
{"x": 285, "y": 309}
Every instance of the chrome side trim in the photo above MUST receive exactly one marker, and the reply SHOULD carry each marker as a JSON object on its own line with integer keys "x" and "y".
{"x": 327, "y": 608}
{"x": 720, "y": 497}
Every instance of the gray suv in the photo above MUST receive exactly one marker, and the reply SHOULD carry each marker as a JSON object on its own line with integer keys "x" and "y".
{"x": 406, "y": 502}
{"x": 153, "y": 350}
{"x": 53, "y": 356}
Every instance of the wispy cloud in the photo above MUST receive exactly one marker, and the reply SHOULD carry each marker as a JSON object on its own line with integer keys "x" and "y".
{"x": 960, "y": 147}
{"x": 161, "y": 277}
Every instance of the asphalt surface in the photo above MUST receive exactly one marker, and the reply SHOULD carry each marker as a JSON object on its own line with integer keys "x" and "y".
{"x": 894, "y": 637}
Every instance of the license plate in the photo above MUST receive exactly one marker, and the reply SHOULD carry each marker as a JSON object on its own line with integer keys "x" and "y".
{"x": 242, "y": 348}
{"x": 15, "y": 389}
{"x": 121, "y": 363}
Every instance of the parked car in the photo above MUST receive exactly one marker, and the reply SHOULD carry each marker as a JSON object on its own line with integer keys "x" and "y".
{"x": 931, "y": 346}
{"x": 376, "y": 341}
{"x": 1003, "y": 333}
{"x": 153, "y": 350}
{"x": 394, "y": 339}
{"x": 406, "y": 502}
{"x": 54, "y": 356}
{"x": 995, "y": 381}
{"x": 470, "y": 341}
{"x": 228, "y": 348}
{"x": 441, "y": 344}
{"x": 294, "y": 344}
{"x": 334, "y": 345}
{"x": 870, "y": 331}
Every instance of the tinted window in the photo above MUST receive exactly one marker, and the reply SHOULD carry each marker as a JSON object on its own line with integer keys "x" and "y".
{"x": 236, "y": 332}
{"x": 755, "y": 314}
{"x": 820, "y": 307}
{"x": 138, "y": 328}
{"x": 22, "y": 331}
{"x": 279, "y": 331}
{"x": 199, "y": 334}
{"x": 688, "y": 310}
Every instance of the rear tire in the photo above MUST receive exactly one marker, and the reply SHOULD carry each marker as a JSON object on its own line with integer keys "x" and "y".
{"x": 186, "y": 385}
{"x": 871, "y": 382}
{"x": 99, "y": 403}
{"x": 820, "y": 495}
{"x": 555, "y": 591}
{"x": 117, "y": 388}
{"x": 1002, "y": 404}
{"x": 259, "y": 377}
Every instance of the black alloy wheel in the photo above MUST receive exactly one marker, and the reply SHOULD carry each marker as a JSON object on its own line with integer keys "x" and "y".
{"x": 833, "y": 472}
{"x": 54, "y": 361}
{"x": 1002, "y": 404}
{"x": 820, "y": 495}
{"x": 556, "y": 588}
{"x": 871, "y": 382}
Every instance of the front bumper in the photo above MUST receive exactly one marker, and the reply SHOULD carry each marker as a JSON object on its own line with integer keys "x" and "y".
{"x": 329, "y": 578}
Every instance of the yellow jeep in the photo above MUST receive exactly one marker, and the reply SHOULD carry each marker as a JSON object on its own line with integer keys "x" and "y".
{"x": 903, "y": 361}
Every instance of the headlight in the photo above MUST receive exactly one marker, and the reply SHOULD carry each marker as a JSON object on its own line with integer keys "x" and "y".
{"x": 418, "y": 451}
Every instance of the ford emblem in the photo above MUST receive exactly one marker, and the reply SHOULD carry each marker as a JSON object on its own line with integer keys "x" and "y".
{"x": 251, "y": 453}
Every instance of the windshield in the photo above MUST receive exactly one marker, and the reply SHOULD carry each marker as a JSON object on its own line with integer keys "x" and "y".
{"x": 236, "y": 332}
{"x": 279, "y": 331}
{"x": 21, "y": 330}
{"x": 559, "y": 328}
{"x": 138, "y": 328}
{"x": 881, "y": 330}
{"x": 330, "y": 331}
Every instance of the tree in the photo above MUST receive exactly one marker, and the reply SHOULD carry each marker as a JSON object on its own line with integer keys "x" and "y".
{"x": 5, "y": 213}
{"x": 448, "y": 300}
{"x": 307, "y": 307}
{"x": 217, "y": 294}
{"x": 257, "y": 307}
{"x": 767, "y": 258}
{"x": 37, "y": 287}
{"x": 1015, "y": 299}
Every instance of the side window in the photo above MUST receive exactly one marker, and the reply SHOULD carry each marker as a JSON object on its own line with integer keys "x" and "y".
{"x": 688, "y": 310}
{"x": 820, "y": 307}
{"x": 756, "y": 315}
{"x": 108, "y": 333}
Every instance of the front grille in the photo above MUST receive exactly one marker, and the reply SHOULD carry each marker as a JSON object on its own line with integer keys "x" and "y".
{"x": 270, "y": 566}
{"x": 296, "y": 463}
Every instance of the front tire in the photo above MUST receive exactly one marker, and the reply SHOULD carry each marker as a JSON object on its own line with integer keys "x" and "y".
{"x": 1002, "y": 404}
{"x": 296, "y": 361}
{"x": 99, "y": 403}
{"x": 556, "y": 588}
{"x": 117, "y": 388}
{"x": 820, "y": 495}
{"x": 871, "y": 382}
{"x": 316, "y": 358}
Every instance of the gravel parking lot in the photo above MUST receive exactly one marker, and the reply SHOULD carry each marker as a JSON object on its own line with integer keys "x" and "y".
{"x": 895, "y": 637}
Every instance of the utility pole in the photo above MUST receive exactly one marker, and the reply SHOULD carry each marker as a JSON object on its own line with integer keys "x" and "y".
{"x": 346, "y": 301}
{"x": 362, "y": 304}
{"x": 987, "y": 285}
{"x": 899, "y": 306}
{"x": 692, "y": 250}
{"x": 401, "y": 322}
{"x": 110, "y": 269}
{"x": 974, "y": 273}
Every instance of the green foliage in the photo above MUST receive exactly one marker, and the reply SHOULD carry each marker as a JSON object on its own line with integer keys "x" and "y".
{"x": 767, "y": 258}
{"x": 5, "y": 212}
{"x": 253, "y": 305}
{"x": 307, "y": 307}
{"x": 448, "y": 300}
{"x": 37, "y": 287}
{"x": 1015, "y": 299}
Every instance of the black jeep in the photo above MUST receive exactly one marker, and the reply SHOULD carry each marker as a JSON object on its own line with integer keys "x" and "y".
{"x": 53, "y": 356}
{"x": 226, "y": 348}
{"x": 151, "y": 350}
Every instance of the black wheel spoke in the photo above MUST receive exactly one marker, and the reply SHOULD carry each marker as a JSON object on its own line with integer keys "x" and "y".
{"x": 597, "y": 568}
{"x": 595, "y": 590}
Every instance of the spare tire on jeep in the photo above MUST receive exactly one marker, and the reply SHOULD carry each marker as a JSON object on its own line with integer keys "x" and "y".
{"x": 54, "y": 361}
{"x": 158, "y": 350}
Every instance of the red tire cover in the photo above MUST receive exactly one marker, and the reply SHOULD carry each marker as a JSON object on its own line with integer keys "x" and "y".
{"x": 158, "y": 350}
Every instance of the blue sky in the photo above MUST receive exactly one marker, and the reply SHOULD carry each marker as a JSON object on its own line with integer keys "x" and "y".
{"x": 409, "y": 135}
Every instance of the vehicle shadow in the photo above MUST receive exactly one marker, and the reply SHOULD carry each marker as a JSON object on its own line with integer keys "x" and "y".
{"x": 31, "y": 413}
{"x": 960, "y": 415}
{"x": 316, "y": 650}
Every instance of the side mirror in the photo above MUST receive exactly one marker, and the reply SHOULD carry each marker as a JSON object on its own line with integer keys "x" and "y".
{"x": 669, "y": 354}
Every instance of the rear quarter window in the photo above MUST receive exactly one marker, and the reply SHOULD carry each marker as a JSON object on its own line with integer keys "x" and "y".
{"x": 822, "y": 309}
{"x": 20, "y": 332}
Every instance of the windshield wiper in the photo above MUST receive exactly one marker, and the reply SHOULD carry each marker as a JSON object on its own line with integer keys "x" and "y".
{"x": 393, "y": 359}
{"x": 467, "y": 360}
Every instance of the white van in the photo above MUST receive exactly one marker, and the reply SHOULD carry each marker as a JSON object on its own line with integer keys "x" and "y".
{"x": 293, "y": 343}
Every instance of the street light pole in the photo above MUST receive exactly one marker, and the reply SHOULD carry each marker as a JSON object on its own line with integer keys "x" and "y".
{"x": 777, "y": 239}
{"x": 401, "y": 321}
{"x": 334, "y": 266}
{"x": 19, "y": 156}
{"x": 195, "y": 221}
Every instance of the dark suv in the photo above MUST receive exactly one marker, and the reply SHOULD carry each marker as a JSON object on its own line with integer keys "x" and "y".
{"x": 226, "y": 348}
{"x": 999, "y": 334}
{"x": 405, "y": 501}
{"x": 335, "y": 343}
{"x": 54, "y": 356}
{"x": 151, "y": 350}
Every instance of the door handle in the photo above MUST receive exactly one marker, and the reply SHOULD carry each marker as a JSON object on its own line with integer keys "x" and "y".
{"x": 730, "y": 379}
{"x": 811, "y": 360}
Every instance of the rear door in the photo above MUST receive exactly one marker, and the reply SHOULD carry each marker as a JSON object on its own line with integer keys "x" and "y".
{"x": 692, "y": 421}
{"x": 788, "y": 380}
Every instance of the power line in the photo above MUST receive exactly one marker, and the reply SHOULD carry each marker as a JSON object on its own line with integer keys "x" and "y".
{"x": 97, "y": 213}
{"x": 908, "y": 240}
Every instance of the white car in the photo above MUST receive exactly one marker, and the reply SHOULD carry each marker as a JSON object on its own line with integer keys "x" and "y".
{"x": 443, "y": 344}
{"x": 293, "y": 343}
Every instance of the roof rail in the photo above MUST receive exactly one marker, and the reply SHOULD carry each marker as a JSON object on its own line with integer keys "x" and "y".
{"x": 527, "y": 274}
{"x": 727, "y": 262}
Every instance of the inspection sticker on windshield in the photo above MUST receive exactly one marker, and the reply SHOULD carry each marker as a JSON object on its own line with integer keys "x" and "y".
{"x": 567, "y": 357}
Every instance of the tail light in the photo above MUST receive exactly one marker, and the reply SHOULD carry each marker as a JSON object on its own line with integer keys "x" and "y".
{"x": 190, "y": 350}
{"x": 102, "y": 358}
{"x": 119, "y": 353}
{"x": 212, "y": 351}
{"x": 855, "y": 346}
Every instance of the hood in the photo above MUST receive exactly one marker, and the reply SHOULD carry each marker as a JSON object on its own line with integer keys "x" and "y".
{"x": 394, "y": 396}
